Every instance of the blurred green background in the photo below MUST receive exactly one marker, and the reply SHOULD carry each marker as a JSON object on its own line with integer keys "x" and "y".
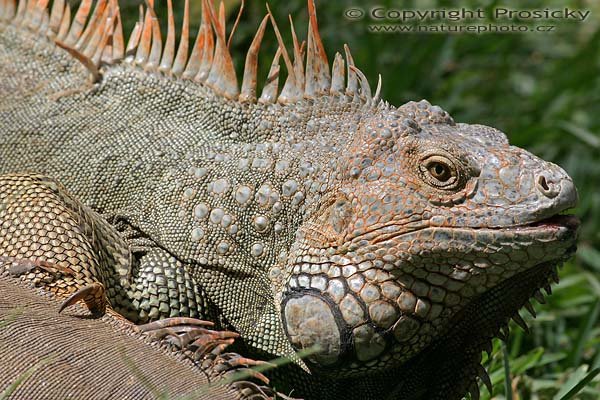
{"x": 542, "y": 89}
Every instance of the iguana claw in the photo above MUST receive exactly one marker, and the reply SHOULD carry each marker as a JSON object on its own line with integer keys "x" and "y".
{"x": 209, "y": 341}
{"x": 233, "y": 362}
{"x": 93, "y": 294}
{"x": 94, "y": 297}
{"x": 185, "y": 332}
{"x": 192, "y": 334}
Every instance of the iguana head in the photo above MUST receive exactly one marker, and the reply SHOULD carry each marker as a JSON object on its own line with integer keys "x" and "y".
{"x": 429, "y": 217}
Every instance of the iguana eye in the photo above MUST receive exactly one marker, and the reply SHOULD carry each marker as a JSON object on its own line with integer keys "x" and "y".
{"x": 440, "y": 172}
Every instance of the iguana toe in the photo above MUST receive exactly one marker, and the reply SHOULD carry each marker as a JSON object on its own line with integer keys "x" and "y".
{"x": 181, "y": 323}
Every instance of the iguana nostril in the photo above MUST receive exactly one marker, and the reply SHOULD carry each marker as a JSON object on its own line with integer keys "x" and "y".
{"x": 543, "y": 183}
{"x": 546, "y": 186}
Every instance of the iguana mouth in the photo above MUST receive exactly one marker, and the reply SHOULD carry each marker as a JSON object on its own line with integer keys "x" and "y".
{"x": 559, "y": 227}
{"x": 568, "y": 221}
{"x": 562, "y": 224}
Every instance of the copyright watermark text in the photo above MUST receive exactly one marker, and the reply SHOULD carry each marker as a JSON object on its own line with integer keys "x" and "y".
{"x": 499, "y": 19}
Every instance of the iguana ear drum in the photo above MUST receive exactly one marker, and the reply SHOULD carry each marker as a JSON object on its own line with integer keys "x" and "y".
{"x": 314, "y": 323}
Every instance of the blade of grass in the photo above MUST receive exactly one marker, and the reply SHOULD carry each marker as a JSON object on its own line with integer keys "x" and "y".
{"x": 576, "y": 388}
{"x": 507, "y": 386}
{"x": 586, "y": 326}
{"x": 6, "y": 394}
{"x": 12, "y": 316}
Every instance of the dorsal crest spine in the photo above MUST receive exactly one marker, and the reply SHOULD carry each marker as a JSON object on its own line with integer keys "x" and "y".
{"x": 96, "y": 38}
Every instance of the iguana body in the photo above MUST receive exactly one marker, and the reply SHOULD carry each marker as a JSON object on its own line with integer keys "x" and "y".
{"x": 394, "y": 240}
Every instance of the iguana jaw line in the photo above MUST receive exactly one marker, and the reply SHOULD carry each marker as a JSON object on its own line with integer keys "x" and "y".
{"x": 539, "y": 276}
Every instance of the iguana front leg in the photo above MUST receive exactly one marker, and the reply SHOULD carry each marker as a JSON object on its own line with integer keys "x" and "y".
{"x": 52, "y": 241}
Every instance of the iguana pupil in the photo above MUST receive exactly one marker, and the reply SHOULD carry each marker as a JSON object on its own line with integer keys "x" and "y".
{"x": 440, "y": 171}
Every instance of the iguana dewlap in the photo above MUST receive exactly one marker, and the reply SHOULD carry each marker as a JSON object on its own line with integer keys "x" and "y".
{"x": 391, "y": 241}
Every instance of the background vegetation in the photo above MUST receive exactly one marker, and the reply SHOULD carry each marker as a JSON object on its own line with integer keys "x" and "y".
{"x": 543, "y": 90}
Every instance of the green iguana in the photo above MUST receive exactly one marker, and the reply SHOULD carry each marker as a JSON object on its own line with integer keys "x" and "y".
{"x": 391, "y": 241}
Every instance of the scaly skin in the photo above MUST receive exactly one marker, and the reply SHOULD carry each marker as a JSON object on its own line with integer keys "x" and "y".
{"x": 107, "y": 358}
{"x": 391, "y": 238}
